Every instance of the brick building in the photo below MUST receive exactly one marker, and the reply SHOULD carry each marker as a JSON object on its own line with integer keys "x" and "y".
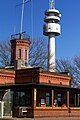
{"x": 35, "y": 92}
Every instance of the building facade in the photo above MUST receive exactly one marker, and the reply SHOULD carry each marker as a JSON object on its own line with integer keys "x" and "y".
{"x": 35, "y": 92}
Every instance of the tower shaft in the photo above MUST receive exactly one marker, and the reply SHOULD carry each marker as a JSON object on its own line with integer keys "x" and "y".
{"x": 51, "y": 54}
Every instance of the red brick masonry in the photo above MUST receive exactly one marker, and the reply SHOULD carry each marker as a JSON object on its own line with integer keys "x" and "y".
{"x": 56, "y": 113}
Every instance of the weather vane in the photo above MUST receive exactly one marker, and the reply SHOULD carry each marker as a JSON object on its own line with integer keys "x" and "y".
{"x": 52, "y": 4}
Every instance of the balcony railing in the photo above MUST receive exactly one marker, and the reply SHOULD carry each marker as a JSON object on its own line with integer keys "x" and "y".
{"x": 20, "y": 36}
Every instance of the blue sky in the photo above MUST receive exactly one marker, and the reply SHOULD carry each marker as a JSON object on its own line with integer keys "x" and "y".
{"x": 67, "y": 44}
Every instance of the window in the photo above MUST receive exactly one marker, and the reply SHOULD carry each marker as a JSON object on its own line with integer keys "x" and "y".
{"x": 28, "y": 99}
{"x": 19, "y": 54}
{"x": 48, "y": 99}
{"x": 22, "y": 98}
{"x": 59, "y": 99}
{"x": 25, "y": 54}
{"x": 16, "y": 98}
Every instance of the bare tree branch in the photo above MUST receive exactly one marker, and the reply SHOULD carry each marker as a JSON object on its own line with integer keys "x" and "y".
{"x": 5, "y": 51}
{"x": 38, "y": 53}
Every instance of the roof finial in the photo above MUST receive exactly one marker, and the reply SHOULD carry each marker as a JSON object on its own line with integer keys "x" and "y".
{"x": 52, "y": 4}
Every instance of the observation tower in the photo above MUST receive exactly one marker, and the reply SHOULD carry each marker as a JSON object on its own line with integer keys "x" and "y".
{"x": 51, "y": 29}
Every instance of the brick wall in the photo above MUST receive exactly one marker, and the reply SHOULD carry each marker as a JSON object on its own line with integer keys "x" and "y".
{"x": 56, "y": 113}
{"x": 54, "y": 79}
{"x": 38, "y": 112}
{"x": 37, "y": 76}
{"x": 7, "y": 76}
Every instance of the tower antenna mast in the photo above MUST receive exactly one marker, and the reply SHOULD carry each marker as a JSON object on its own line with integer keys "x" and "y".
{"x": 22, "y": 14}
{"x": 51, "y": 4}
{"x": 52, "y": 29}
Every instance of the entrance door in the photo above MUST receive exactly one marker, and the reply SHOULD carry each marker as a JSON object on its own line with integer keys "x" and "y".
{"x": 7, "y": 99}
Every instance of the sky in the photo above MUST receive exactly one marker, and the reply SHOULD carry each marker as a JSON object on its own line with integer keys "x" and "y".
{"x": 67, "y": 44}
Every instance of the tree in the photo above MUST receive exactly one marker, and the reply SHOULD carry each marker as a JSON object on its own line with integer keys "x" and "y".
{"x": 65, "y": 65}
{"x": 5, "y": 55}
{"x": 76, "y": 62}
{"x": 38, "y": 53}
{"x": 73, "y": 68}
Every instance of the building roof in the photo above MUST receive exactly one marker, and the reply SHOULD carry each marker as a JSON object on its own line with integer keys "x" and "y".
{"x": 39, "y": 86}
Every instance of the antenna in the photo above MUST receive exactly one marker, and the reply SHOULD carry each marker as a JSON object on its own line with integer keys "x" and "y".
{"x": 22, "y": 17}
{"x": 32, "y": 19}
{"x": 52, "y": 4}
{"x": 23, "y": 2}
{"x": 51, "y": 29}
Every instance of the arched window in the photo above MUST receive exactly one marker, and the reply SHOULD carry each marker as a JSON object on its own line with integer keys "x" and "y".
{"x": 13, "y": 54}
{"x": 25, "y": 54}
{"x": 19, "y": 54}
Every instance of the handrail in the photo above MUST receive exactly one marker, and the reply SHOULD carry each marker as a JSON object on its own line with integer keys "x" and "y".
{"x": 22, "y": 35}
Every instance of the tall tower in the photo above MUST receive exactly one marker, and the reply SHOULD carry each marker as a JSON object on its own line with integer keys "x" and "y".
{"x": 51, "y": 29}
{"x": 19, "y": 50}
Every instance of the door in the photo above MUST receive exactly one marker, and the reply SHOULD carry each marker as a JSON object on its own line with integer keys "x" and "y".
{"x": 7, "y": 99}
